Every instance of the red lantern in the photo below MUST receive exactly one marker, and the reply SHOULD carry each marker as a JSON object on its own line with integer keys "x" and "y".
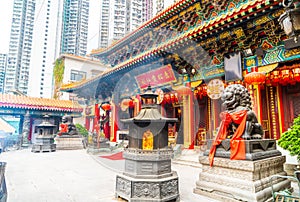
{"x": 255, "y": 78}
{"x": 204, "y": 92}
{"x": 131, "y": 104}
{"x": 125, "y": 102}
{"x": 268, "y": 80}
{"x": 106, "y": 107}
{"x": 275, "y": 76}
{"x": 167, "y": 98}
{"x": 285, "y": 76}
{"x": 172, "y": 98}
{"x": 176, "y": 97}
{"x": 296, "y": 72}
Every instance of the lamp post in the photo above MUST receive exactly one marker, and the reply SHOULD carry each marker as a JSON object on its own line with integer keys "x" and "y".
{"x": 290, "y": 19}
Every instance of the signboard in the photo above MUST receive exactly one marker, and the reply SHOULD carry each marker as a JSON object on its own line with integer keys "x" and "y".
{"x": 215, "y": 88}
{"x": 233, "y": 67}
{"x": 157, "y": 77}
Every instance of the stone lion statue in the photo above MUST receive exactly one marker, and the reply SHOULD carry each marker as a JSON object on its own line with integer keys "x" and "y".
{"x": 236, "y": 98}
{"x": 67, "y": 127}
{"x": 239, "y": 122}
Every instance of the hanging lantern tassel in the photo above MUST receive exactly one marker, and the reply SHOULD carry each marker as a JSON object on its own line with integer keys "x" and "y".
{"x": 255, "y": 78}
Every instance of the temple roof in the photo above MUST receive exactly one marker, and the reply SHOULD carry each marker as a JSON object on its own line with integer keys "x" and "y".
{"x": 192, "y": 38}
{"x": 23, "y": 102}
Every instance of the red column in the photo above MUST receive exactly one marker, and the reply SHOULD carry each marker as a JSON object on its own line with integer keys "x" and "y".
{"x": 87, "y": 123}
{"x": 113, "y": 121}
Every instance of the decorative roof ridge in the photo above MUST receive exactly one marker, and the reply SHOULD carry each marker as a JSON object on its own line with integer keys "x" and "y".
{"x": 17, "y": 101}
{"x": 205, "y": 27}
{"x": 142, "y": 26}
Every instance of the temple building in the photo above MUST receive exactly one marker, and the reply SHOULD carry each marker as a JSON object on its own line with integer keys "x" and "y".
{"x": 30, "y": 112}
{"x": 188, "y": 53}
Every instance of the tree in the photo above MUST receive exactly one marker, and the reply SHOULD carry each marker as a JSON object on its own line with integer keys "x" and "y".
{"x": 290, "y": 140}
{"x": 82, "y": 130}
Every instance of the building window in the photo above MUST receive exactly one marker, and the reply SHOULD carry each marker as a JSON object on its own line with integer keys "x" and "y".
{"x": 77, "y": 75}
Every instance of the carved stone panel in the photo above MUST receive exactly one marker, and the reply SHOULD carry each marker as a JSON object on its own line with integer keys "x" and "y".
{"x": 145, "y": 190}
{"x": 169, "y": 188}
{"x": 123, "y": 186}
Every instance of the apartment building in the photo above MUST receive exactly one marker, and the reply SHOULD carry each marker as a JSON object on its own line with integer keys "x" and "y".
{"x": 3, "y": 61}
{"x": 120, "y": 17}
{"x": 18, "y": 59}
{"x": 75, "y": 19}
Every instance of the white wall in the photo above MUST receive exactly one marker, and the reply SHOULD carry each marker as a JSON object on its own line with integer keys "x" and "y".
{"x": 79, "y": 65}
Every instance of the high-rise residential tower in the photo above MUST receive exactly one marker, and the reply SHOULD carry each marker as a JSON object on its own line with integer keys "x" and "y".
{"x": 18, "y": 60}
{"x": 163, "y": 4}
{"x": 119, "y": 17}
{"x": 34, "y": 45}
{"x": 147, "y": 12}
{"x": 75, "y": 27}
{"x": 104, "y": 23}
{"x": 3, "y": 59}
{"x": 45, "y": 47}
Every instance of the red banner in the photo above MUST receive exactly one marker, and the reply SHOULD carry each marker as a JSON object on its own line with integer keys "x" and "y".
{"x": 156, "y": 77}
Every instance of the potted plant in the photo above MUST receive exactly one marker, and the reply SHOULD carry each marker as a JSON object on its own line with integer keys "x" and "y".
{"x": 290, "y": 140}
{"x": 83, "y": 131}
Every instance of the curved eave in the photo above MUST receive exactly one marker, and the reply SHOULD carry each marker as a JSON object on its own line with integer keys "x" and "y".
{"x": 206, "y": 28}
{"x": 44, "y": 108}
{"x": 156, "y": 20}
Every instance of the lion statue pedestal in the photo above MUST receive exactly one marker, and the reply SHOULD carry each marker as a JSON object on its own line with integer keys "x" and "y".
{"x": 68, "y": 137}
{"x": 239, "y": 164}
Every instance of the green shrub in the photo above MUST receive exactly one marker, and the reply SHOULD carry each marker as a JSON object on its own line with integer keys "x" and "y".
{"x": 82, "y": 130}
{"x": 290, "y": 140}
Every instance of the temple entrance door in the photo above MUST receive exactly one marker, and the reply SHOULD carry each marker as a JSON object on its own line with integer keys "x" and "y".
{"x": 291, "y": 104}
{"x": 201, "y": 121}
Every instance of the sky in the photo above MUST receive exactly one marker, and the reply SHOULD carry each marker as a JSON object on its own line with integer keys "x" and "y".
{"x": 6, "y": 7}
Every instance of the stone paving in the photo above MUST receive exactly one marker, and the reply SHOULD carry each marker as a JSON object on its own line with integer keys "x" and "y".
{"x": 76, "y": 176}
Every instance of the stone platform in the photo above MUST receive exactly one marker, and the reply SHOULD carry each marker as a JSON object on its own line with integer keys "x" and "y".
{"x": 95, "y": 148}
{"x": 141, "y": 190}
{"x": 44, "y": 144}
{"x": 148, "y": 176}
{"x": 68, "y": 142}
{"x": 242, "y": 180}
